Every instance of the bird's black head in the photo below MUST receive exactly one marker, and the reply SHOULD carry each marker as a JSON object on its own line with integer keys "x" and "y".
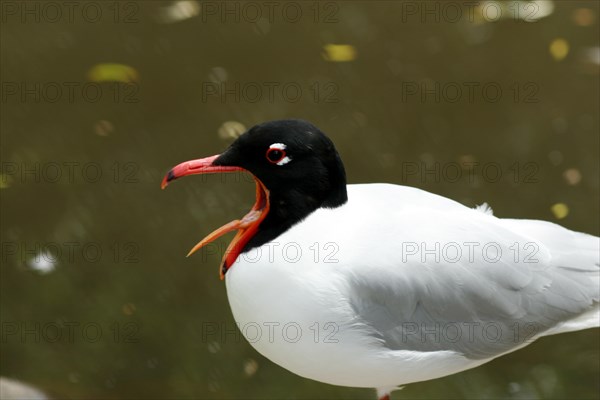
{"x": 297, "y": 169}
{"x": 295, "y": 161}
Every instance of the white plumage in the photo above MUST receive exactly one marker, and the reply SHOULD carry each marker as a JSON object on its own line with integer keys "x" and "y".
{"x": 375, "y": 294}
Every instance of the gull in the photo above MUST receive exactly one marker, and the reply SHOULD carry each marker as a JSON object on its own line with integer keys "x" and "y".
{"x": 381, "y": 285}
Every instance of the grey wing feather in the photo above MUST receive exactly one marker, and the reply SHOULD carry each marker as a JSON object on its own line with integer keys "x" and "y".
{"x": 482, "y": 311}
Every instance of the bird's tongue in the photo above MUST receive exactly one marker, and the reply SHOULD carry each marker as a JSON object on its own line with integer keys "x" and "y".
{"x": 246, "y": 227}
{"x": 241, "y": 225}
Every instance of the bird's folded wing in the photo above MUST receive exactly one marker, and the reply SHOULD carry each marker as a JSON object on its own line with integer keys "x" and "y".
{"x": 475, "y": 306}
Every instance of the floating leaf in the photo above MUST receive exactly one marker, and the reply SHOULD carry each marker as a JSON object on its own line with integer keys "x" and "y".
{"x": 250, "y": 367}
{"x": 178, "y": 11}
{"x": 231, "y": 130}
{"x": 572, "y": 176}
{"x": 583, "y": 16}
{"x": 559, "y": 48}
{"x": 43, "y": 262}
{"x": 591, "y": 56}
{"x": 103, "y": 128}
{"x": 128, "y": 308}
{"x": 113, "y": 73}
{"x": 5, "y": 181}
{"x": 339, "y": 52}
{"x": 560, "y": 210}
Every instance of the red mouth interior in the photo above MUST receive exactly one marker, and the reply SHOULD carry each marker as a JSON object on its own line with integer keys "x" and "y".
{"x": 246, "y": 227}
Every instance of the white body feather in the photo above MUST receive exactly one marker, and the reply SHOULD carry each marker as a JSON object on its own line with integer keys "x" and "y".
{"x": 297, "y": 299}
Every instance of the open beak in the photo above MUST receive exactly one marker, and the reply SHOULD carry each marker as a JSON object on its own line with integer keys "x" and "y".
{"x": 246, "y": 227}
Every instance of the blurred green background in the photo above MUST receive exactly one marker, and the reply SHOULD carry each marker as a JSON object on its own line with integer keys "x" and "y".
{"x": 99, "y": 101}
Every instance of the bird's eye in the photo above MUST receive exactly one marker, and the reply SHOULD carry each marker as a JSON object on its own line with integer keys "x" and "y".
{"x": 276, "y": 154}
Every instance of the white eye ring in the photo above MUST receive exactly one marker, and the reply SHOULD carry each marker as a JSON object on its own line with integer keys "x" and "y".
{"x": 280, "y": 147}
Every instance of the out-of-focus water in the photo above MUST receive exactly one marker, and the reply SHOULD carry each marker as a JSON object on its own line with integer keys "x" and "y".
{"x": 98, "y": 299}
